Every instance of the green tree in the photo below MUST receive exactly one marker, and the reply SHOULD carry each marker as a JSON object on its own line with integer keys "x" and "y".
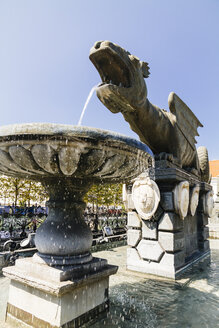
{"x": 32, "y": 191}
{"x": 104, "y": 194}
{"x": 10, "y": 189}
{"x": 20, "y": 191}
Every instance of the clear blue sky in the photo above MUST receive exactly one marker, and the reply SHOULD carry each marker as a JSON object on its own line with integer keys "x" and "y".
{"x": 46, "y": 75}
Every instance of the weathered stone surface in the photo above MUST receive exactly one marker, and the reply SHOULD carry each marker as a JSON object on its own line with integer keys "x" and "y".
{"x": 69, "y": 157}
{"x": 150, "y": 250}
{"x": 190, "y": 235}
{"x": 204, "y": 246}
{"x": 170, "y": 222}
{"x": 181, "y": 198}
{"x": 190, "y": 225}
{"x": 7, "y": 162}
{"x": 190, "y": 244}
{"x": 182, "y": 240}
{"x": 171, "y": 241}
{"x": 194, "y": 199}
{"x": 167, "y": 201}
{"x": 209, "y": 203}
{"x": 146, "y": 196}
{"x": 32, "y": 292}
{"x": 130, "y": 203}
{"x": 149, "y": 230}
{"x": 44, "y": 157}
{"x": 175, "y": 260}
{"x": 132, "y": 255}
{"x": 38, "y": 266}
{"x": 133, "y": 237}
{"x": 23, "y": 158}
{"x": 202, "y": 219}
{"x": 159, "y": 212}
{"x": 204, "y": 234}
{"x": 51, "y": 150}
{"x": 133, "y": 220}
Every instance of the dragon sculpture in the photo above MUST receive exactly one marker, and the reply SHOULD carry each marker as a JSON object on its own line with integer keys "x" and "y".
{"x": 170, "y": 135}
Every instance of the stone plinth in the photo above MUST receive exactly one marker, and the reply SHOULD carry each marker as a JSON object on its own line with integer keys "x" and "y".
{"x": 43, "y": 296}
{"x": 176, "y": 235}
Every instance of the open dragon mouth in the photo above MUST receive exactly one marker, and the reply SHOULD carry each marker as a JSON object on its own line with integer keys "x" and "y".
{"x": 111, "y": 67}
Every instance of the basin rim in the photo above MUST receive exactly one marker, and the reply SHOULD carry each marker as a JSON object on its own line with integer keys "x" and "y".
{"x": 68, "y": 131}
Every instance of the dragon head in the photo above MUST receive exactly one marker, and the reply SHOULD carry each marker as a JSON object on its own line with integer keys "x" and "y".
{"x": 123, "y": 88}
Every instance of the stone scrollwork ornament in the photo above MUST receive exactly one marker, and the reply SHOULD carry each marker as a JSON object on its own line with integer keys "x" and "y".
{"x": 181, "y": 198}
{"x": 209, "y": 203}
{"x": 194, "y": 199}
{"x": 146, "y": 197}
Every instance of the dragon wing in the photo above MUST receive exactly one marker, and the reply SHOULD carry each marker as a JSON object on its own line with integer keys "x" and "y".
{"x": 186, "y": 121}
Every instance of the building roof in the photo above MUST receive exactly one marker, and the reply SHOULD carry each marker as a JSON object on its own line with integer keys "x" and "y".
{"x": 214, "y": 167}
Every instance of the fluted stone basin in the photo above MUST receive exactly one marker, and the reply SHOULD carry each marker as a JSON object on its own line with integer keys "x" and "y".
{"x": 68, "y": 160}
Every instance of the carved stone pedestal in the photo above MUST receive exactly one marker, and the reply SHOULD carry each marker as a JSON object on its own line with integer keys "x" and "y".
{"x": 175, "y": 235}
{"x": 47, "y": 297}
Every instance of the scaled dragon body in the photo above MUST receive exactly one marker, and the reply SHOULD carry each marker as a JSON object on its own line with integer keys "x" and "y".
{"x": 123, "y": 89}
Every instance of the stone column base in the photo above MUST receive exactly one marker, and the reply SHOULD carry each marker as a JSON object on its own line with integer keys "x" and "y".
{"x": 38, "y": 296}
{"x": 167, "y": 267}
{"x": 175, "y": 236}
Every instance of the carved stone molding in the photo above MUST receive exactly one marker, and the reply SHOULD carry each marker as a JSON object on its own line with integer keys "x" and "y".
{"x": 209, "y": 203}
{"x": 194, "y": 199}
{"x": 181, "y": 198}
{"x": 146, "y": 197}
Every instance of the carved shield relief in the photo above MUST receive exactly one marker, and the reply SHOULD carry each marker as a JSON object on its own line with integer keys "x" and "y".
{"x": 146, "y": 197}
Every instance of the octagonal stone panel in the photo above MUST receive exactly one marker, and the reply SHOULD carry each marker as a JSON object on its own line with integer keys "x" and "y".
{"x": 150, "y": 250}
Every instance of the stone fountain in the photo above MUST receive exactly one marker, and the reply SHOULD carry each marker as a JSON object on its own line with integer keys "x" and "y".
{"x": 167, "y": 215}
{"x": 63, "y": 285}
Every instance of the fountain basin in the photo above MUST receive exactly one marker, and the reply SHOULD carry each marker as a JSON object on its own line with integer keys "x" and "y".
{"x": 42, "y": 150}
{"x": 68, "y": 160}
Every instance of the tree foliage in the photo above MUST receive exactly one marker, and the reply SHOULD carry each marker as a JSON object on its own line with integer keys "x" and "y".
{"x": 105, "y": 194}
{"x": 19, "y": 191}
